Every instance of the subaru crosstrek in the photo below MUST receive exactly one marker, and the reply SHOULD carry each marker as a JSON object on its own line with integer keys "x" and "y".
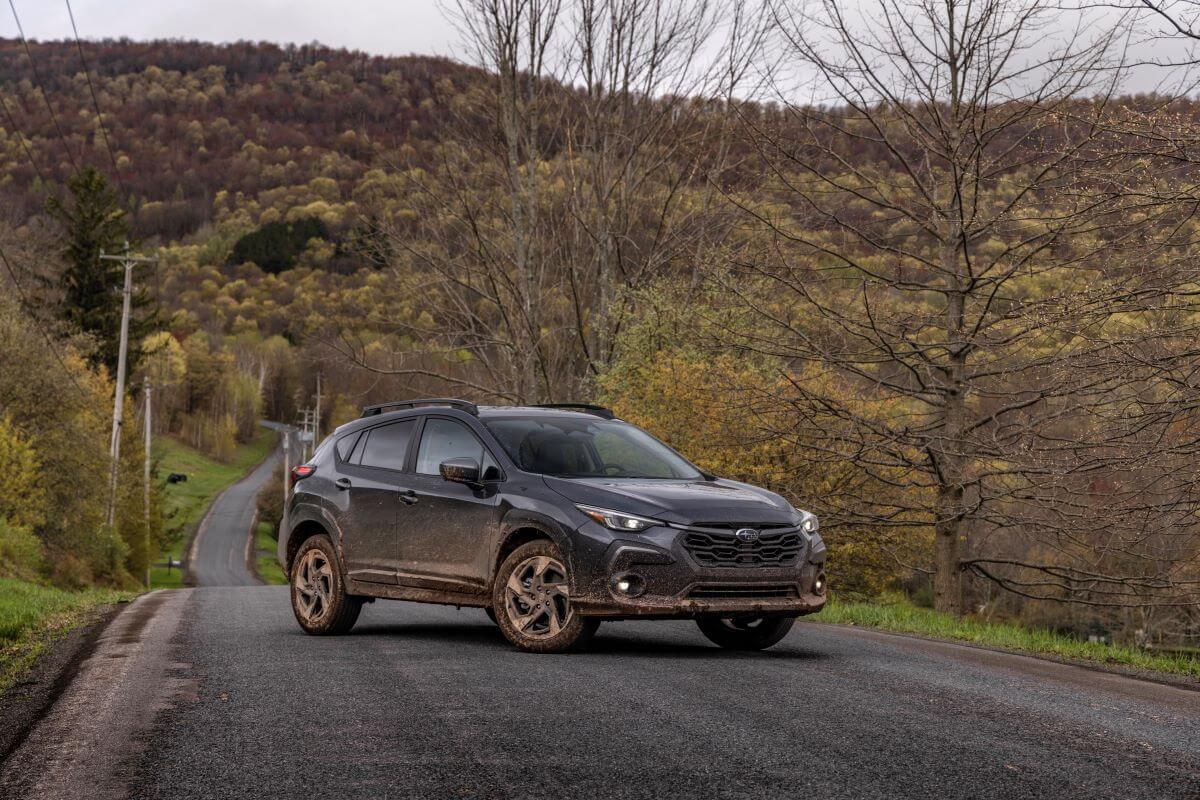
{"x": 551, "y": 518}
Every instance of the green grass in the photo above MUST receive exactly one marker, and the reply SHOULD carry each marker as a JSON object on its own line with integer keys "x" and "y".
{"x": 896, "y": 613}
{"x": 32, "y": 616}
{"x": 185, "y": 503}
{"x": 265, "y": 564}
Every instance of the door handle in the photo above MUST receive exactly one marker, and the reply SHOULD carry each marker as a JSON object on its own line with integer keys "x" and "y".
{"x": 408, "y": 497}
{"x": 342, "y": 483}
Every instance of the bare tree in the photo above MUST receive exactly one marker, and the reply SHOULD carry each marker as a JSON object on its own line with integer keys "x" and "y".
{"x": 566, "y": 182}
{"x": 648, "y": 124}
{"x": 1181, "y": 16}
{"x": 980, "y": 294}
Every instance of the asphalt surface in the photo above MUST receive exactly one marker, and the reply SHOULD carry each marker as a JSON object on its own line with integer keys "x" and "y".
{"x": 215, "y": 692}
{"x": 219, "y": 554}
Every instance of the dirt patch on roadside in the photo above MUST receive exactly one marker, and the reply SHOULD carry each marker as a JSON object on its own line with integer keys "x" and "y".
{"x": 26, "y": 701}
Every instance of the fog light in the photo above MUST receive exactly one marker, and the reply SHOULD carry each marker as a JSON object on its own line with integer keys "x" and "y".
{"x": 819, "y": 584}
{"x": 630, "y": 584}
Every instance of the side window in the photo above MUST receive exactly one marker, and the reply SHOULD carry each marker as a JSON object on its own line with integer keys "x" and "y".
{"x": 445, "y": 438}
{"x": 345, "y": 446}
{"x": 356, "y": 453}
{"x": 387, "y": 446}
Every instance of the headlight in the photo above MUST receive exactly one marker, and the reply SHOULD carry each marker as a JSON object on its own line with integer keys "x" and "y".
{"x": 618, "y": 521}
{"x": 806, "y": 521}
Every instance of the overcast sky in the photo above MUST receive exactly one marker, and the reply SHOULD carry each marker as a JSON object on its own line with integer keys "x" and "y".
{"x": 382, "y": 27}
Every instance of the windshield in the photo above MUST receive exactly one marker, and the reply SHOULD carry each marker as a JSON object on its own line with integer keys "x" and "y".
{"x": 566, "y": 447}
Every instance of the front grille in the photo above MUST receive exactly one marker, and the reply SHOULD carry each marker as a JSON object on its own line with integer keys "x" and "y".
{"x": 760, "y": 592}
{"x": 774, "y": 548}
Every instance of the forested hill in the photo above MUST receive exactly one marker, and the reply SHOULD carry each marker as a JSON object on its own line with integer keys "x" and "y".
{"x": 187, "y": 120}
{"x": 838, "y": 303}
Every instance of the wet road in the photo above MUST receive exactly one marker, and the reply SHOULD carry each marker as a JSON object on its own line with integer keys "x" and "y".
{"x": 215, "y": 693}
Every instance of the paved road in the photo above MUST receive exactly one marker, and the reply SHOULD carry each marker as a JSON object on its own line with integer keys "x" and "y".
{"x": 219, "y": 551}
{"x": 215, "y": 693}
{"x": 425, "y": 702}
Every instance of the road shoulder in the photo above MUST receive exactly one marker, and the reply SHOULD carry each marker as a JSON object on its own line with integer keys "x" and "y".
{"x": 24, "y": 703}
{"x": 1075, "y": 671}
{"x": 94, "y": 725}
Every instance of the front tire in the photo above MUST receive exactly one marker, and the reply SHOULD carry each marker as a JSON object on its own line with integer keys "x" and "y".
{"x": 745, "y": 633}
{"x": 319, "y": 598}
{"x": 532, "y": 603}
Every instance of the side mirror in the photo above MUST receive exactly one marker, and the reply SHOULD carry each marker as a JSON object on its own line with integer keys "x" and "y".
{"x": 460, "y": 470}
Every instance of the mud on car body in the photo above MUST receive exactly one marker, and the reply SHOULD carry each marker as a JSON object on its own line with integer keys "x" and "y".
{"x": 552, "y": 518}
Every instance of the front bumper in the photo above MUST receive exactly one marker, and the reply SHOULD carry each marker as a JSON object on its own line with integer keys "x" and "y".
{"x": 688, "y": 608}
{"x": 674, "y": 584}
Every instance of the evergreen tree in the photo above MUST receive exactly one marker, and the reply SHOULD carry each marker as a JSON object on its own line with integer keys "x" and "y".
{"x": 94, "y": 222}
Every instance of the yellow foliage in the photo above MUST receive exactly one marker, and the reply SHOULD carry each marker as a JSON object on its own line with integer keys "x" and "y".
{"x": 733, "y": 418}
{"x": 22, "y": 497}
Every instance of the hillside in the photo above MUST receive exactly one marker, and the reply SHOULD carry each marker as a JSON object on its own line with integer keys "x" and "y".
{"x": 188, "y": 121}
{"x": 911, "y": 335}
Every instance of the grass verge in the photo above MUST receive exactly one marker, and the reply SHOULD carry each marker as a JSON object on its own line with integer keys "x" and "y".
{"x": 185, "y": 503}
{"x": 897, "y": 614}
{"x": 265, "y": 564}
{"x": 32, "y": 616}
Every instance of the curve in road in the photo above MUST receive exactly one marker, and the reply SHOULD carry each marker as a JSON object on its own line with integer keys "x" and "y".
{"x": 218, "y": 555}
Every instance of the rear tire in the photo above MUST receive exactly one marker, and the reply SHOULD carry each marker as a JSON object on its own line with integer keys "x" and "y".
{"x": 531, "y": 601}
{"x": 319, "y": 598}
{"x": 745, "y": 633}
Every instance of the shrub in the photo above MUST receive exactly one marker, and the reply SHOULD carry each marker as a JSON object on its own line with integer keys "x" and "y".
{"x": 20, "y": 552}
{"x": 270, "y": 502}
{"x": 22, "y": 497}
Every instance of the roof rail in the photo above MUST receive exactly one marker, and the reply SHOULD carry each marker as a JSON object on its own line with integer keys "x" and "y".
{"x": 599, "y": 411}
{"x": 461, "y": 405}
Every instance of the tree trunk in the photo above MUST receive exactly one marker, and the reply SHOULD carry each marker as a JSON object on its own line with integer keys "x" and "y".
{"x": 947, "y": 577}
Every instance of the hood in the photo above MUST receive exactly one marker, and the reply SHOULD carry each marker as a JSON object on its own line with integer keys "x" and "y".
{"x": 685, "y": 502}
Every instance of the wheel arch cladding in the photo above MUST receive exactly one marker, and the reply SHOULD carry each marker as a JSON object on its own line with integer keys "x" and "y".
{"x": 301, "y": 533}
{"x": 519, "y": 534}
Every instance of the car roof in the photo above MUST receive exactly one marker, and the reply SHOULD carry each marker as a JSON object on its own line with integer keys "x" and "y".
{"x": 485, "y": 412}
{"x": 532, "y": 411}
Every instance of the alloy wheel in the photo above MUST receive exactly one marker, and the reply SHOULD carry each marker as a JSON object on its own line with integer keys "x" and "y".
{"x": 313, "y": 582}
{"x": 536, "y": 597}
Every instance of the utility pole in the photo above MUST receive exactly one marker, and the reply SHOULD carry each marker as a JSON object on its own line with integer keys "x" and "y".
{"x": 305, "y": 433}
{"x": 317, "y": 413}
{"x": 146, "y": 480}
{"x": 128, "y": 262}
{"x": 287, "y": 466}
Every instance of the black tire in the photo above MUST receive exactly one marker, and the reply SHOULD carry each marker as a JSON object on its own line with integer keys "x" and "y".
{"x": 319, "y": 598}
{"x": 552, "y": 626}
{"x": 491, "y": 614}
{"x": 745, "y": 633}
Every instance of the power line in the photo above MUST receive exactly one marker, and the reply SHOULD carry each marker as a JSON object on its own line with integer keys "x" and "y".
{"x": 72, "y": 423}
{"x": 12, "y": 273}
{"x": 92, "y": 89}
{"x": 41, "y": 89}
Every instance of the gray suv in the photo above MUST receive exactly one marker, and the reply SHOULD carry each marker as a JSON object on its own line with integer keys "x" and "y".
{"x": 551, "y": 518}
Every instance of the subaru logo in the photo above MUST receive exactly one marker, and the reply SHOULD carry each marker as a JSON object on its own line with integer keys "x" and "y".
{"x": 746, "y": 534}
